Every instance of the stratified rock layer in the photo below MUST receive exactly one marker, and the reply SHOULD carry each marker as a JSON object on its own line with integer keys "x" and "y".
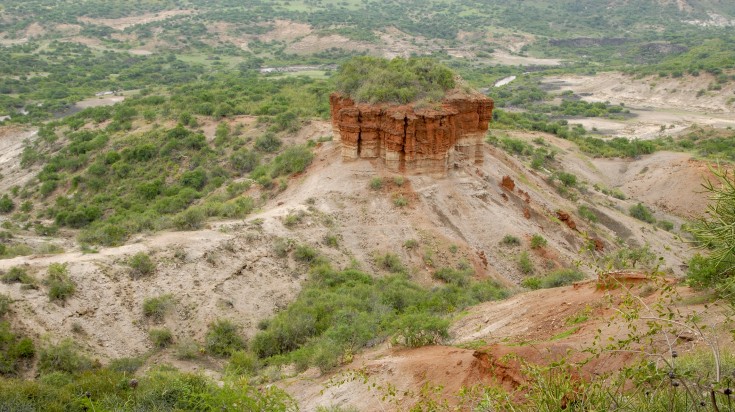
{"x": 410, "y": 139}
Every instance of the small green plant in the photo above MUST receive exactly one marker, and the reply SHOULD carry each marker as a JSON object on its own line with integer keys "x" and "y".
{"x": 243, "y": 363}
{"x": 391, "y": 263}
{"x": 18, "y": 274}
{"x": 376, "y": 183}
{"x": 6, "y": 204}
{"x": 453, "y": 249}
{"x": 538, "y": 241}
{"x": 161, "y": 338}
{"x": 411, "y": 244}
{"x": 64, "y": 357}
{"x": 567, "y": 179}
{"x": 305, "y": 253}
{"x": 510, "y": 240}
{"x": 459, "y": 277}
{"x": 141, "y": 265}
{"x": 5, "y": 302}
{"x": 557, "y": 278}
{"x": 294, "y": 218}
{"x": 331, "y": 240}
{"x": 400, "y": 201}
{"x": 61, "y": 287}
{"x": 223, "y": 338}
{"x": 525, "y": 265}
{"x": 642, "y": 213}
{"x": 587, "y": 214}
{"x": 399, "y": 180}
{"x": 665, "y": 225}
{"x": 187, "y": 350}
{"x": 156, "y": 308}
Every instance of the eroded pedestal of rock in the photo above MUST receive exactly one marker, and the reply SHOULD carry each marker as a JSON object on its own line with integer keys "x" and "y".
{"x": 411, "y": 139}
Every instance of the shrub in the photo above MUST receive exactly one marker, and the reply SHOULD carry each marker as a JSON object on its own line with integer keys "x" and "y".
{"x": 125, "y": 365}
{"x": 376, "y": 183}
{"x": 63, "y": 357}
{"x": 190, "y": 219}
{"x": 331, "y": 241}
{"x": 244, "y": 161}
{"x": 6, "y": 204}
{"x": 61, "y": 287}
{"x": 400, "y": 201}
{"x": 141, "y": 265}
{"x": 5, "y": 302}
{"x": 187, "y": 350}
{"x": 293, "y": 218}
{"x": 642, "y": 213}
{"x": 665, "y": 225}
{"x": 161, "y": 338}
{"x": 567, "y": 179}
{"x": 399, "y": 180}
{"x": 587, "y": 214}
{"x": 295, "y": 159}
{"x": 525, "y": 264}
{"x": 557, "y": 278}
{"x": 453, "y": 276}
{"x": 18, "y": 274}
{"x": 411, "y": 244}
{"x": 13, "y": 350}
{"x": 305, "y": 253}
{"x": 223, "y": 338}
{"x": 420, "y": 329}
{"x": 243, "y": 363}
{"x": 538, "y": 241}
{"x": 267, "y": 143}
{"x": 156, "y": 308}
{"x": 391, "y": 263}
{"x": 510, "y": 240}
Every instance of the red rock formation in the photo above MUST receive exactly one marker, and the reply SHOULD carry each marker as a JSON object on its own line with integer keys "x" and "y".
{"x": 418, "y": 140}
{"x": 508, "y": 183}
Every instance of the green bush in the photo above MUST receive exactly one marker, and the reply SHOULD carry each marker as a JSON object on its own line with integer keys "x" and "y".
{"x": 557, "y": 278}
{"x": 525, "y": 265}
{"x": 141, "y": 265}
{"x": 268, "y": 143}
{"x": 61, "y": 287}
{"x": 14, "y": 349}
{"x": 187, "y": 350}
{"x": 63, "y": 357}
{"x": 223, "y": 338}
{"x": 376, "y": 183}
{"x": 460, "y": 277}
{"x": 305, "y": 253}
{"x": 510, "y": 240}
{"x": 400, "y": 201}
{"x": 567, "y": 179}
{"x": 538, "y": 241}
{"x": 5, "y": 302}
{"x": 190, "y": 219}
{"x": 161, "y": 338}
{"x": 643, "y": 213}
{"x": 372, "y": 79}
{"x": 18, "y": 274}
{"x": 587, "y": 214}
{"x": 243, "y": 363}
{"x": 411, "y": 244}
{"x": 6, "y": 204}
{"x": 665, "y": 225}
{"x": 418, "y": 329}
{"x": 391, "y": 263}
{"x": 156, "y": 308}
{"x": 295, "y": 159}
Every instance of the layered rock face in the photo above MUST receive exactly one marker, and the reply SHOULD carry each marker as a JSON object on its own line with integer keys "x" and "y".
{"x": 410, "y": 139}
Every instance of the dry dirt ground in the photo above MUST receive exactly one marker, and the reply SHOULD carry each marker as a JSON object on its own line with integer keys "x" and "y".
{"x": 671, "y": 103}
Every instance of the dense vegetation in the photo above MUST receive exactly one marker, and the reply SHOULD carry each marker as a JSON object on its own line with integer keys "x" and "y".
{"x": 371, "y": 79}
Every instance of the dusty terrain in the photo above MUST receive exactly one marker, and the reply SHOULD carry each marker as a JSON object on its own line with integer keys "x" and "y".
{"x": 661, "y": 106}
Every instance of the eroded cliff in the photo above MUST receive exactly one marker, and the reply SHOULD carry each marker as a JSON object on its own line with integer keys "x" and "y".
{"x": 411, "y": 139}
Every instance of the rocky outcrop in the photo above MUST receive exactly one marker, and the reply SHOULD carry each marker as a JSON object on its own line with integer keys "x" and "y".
{"x": 412, "y": 139}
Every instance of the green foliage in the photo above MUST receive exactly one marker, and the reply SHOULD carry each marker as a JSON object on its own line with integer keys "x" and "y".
{"x": 338, "y": 312}
{"x": 63, "y": 357}
{"x": 459, "y": 277}
{"x": 6, "y": 204}
{"x": 376, "y": 183}
{"x": 555, "y": 279}
{"x": 305, "y": 253}
{"x": 630, "y": 256}
{"x": 243, "y": 363}
{"x": 510, "y": 240}
{"x": 161, "y": 338}
{"x": 156, "y": 308}
{"x": 525, "y": 265}
{"x": 642, "y": 213}
{"x": 18, "y": 274}
{"x": 391, "y": 263}
{"x": 14, "y": 350}
{"x": 5, "y": 302}
{"x": 411, "y": 244}
{"x": 538, "y": 241}
{"x": 223, "y": 338}
{"x": 400, "y": 201}
{"x": 665, "y": 225}
{"x": 61, "y": 287}
{"x": 567, "y": 179}
{"x": 372, "y": 79}
{"x": 141, "y": 265}
{"x": 587, "y": 214}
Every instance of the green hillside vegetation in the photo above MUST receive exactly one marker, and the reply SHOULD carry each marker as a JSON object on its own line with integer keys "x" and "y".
{"x": 373, "y": 80}
{"x": 144, "y": 164}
